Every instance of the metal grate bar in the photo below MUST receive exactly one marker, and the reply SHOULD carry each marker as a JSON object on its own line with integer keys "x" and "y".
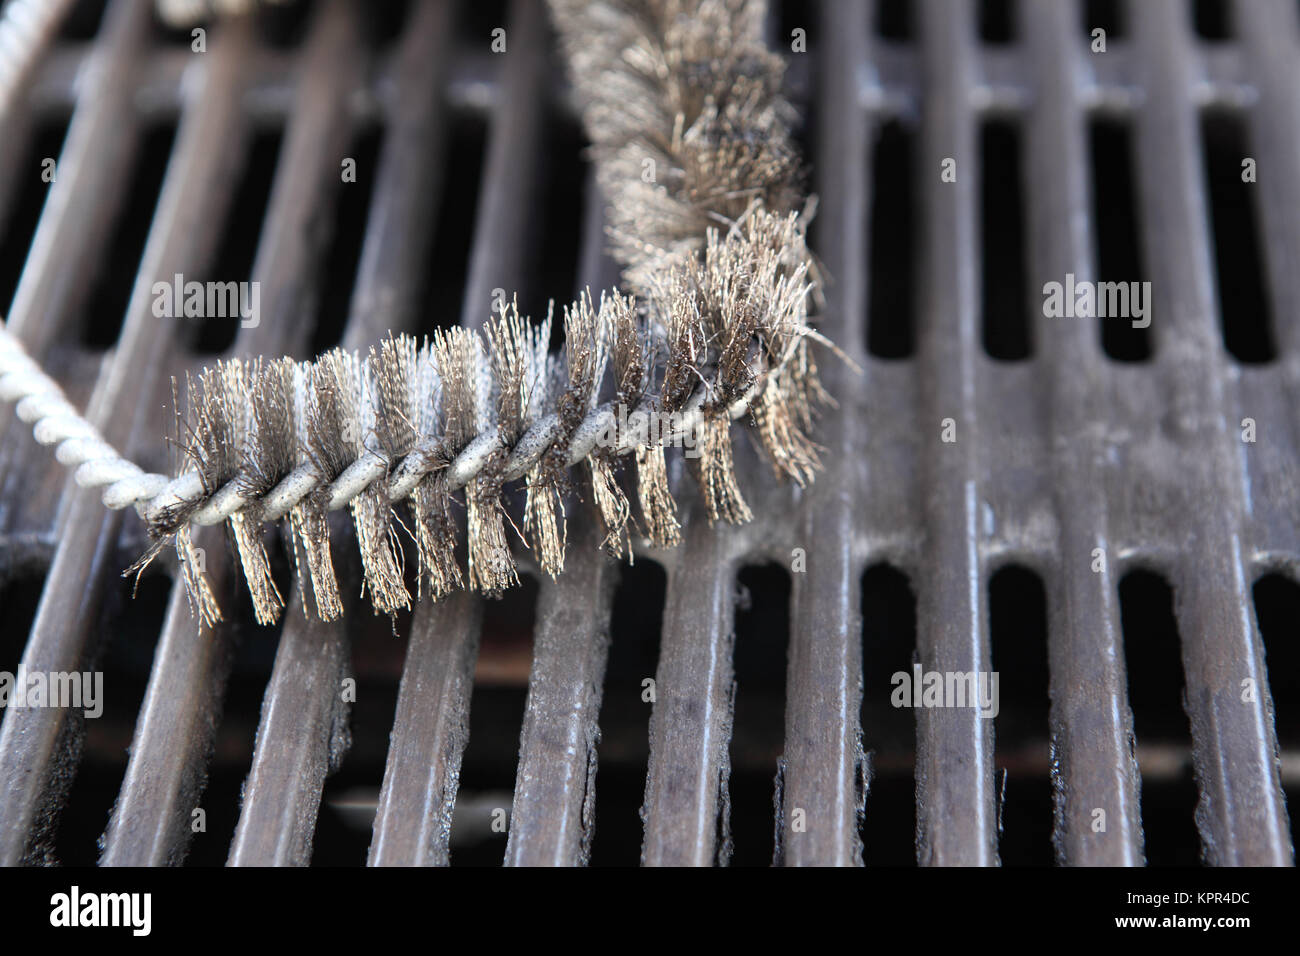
{"x": 313, "y": 728}
{"x": 686, "y": 812}
{"x": 551, "y": 818}
{"x": 39, "y": 747}
{"x": 430, "y": 729}
{"x": 150, "y": 824}
{"x": 24, "y": 33}
{"x": 1270, "y": 41}
{"x": 408, "y": 183}
{"x": 96, "y": 157}
{"x": 1092, "y": 725}
{"x": 413, "y": 822}
{"x": 955, "y": 810}
{"x": 101, "y": 141}
{"x": 1240, "y": 813}
{"x": 302, "y": 736}
{"x": 303, "y": 723}
{"x": 510, "y": 173}
{"x": 823, "y": 760}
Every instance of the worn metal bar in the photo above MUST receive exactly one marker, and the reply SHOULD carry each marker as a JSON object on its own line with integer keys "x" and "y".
{"x": 16, "y": 130}
{"x": 823, "y": 760}
{"x": 955, "y": 814}
{"x": 471, "y": 83}
{"x": 101, "y": 143}
{"x": 1271, "y": 38}
{"x": 301, "y": 738}
{"x": 1269, "y": 394}
{"x": 430, "y": 730}
{"x": 686, "y": 805}
{"x": 1091, "y": 721}
{"x": 83, "y": 202}
{"x": 40, "y": 747}
{"x": 1240, "y": 812}
{"x": 303, "y": 723}
{"x": 551, "y": 818}
{"x": 152, "y": 820}
{"x": 408, "y": 184}
{"x": 25, "y": 29}
{"x": 150, "y": 823}
{"x": 510, "y": 170}
{"x": 164, "y": 779}
{"x": 413, "y": 821}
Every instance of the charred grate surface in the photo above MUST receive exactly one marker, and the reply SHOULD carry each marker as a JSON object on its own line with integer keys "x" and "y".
{"x": 1106, "y": 515}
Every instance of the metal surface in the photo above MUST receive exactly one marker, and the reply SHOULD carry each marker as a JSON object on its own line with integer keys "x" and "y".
{"x": 1057, "y": 458}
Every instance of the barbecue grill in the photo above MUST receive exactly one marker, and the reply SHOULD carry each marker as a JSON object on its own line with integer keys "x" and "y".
{"x": 1106, "y": 515}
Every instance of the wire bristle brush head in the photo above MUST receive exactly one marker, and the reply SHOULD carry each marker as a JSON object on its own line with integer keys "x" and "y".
{"x": 682, "y": 102}
{"x": 413, "y": 427}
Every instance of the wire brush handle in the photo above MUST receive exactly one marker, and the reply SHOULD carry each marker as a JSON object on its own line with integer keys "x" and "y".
{"x": 41, "y": 403}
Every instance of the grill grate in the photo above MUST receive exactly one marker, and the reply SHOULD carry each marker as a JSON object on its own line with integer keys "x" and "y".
{"x": 1079, "y": 440}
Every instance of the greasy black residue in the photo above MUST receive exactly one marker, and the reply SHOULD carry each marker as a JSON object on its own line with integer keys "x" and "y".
{"x": 1211, "y": 19}
{"x": 83, "y": 21}
{"x": 453, "y": 235}
{"x": 891, "y": 309}
{"x": 339, "y": 265}
{"x": 382, "y": 23}
{"x": 1116, "y": 235}
{"x": 1245, "y": 313}
{"x": 1155, "y": 690}
{"x": 795, "y": 15}
{"x": 758, "y": 735}
{"x": 28, "y": 198}
{"x": 285, "y": 25}
{"x": 896, "y": 20}
{"x": 624, "y": 749}
{"x": 476, "y": 21}
{"x": 888, "y": 733}
{"x": 1277, "y": 608}
{"x": 18, "y": 599}
{"x": 1018, "y": 634}
{"x": 110, "y": 292}
{"x": 556, "y": 234}
{"x": 1105, "y": 14}
{"x": 997, "y": 21}
{"x": 240, "y": 234}
{"x": 1005, "y": 312}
